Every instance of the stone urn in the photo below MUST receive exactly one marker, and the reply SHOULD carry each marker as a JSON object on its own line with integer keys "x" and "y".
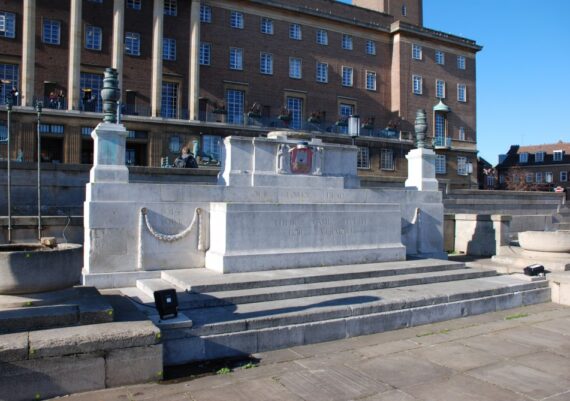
{"x": 420, "y": 127}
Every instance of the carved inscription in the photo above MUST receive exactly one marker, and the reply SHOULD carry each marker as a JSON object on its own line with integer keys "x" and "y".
{"x": 322, "y": 226}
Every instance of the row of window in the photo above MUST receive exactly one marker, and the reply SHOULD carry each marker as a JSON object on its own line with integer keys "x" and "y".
{"x": 266, "y": 27}
{"x": 386, "y": 159}
{"x": 418, "y": 54}
{"x": 418, "y": 82}
{"x": 557, "y": 156}
{"x": 441, "y": 165}
{"x": 540, "y": 177}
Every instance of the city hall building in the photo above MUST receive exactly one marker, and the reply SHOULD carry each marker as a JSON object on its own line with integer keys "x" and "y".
{"x": 193, "y": 72}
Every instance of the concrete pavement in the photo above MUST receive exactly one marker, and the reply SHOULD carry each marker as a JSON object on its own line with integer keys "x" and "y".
{"x": 514, "y": 355}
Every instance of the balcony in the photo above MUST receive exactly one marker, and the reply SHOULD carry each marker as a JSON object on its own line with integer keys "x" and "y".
{"x": 441, "y": 142}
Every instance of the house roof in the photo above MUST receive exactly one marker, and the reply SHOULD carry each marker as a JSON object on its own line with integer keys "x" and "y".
{"x": 512, "y": 157}
{"x": 547, "y": 148}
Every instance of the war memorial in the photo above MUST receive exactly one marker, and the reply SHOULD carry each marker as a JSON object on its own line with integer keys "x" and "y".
{"x": 285, "y": 250}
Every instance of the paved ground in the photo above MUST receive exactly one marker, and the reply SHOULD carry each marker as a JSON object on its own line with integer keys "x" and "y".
{"x": 515, "y": 355}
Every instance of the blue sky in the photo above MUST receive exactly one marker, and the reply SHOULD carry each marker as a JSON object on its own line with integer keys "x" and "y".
{"x": 523, "y": 71}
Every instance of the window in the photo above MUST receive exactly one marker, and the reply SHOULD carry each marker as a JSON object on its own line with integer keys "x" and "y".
{"x": 439, "y": 57}
{"x": 170, "y": 8}
{"x": 90, "y": 86}
{"x": 236, "y": 58}
{"x": 86, "y": 131}
{"x": 295, "y": 107}
{"x": 322, "y": 37}
{"x": 417, "y": 82}
{"x": 295, "y": 66}
{"x": 404, "y": 10}
{"x": 370, "y": 80}
{"x": 93, "y": 36}
{"x": 346, "y": 42}
{"x": 461, "y": 93}
{"x": 212, "y": 145}
{"x": 548, "y": 177}
{"x": 7, "y": 25}
{"x": 95, "y": 1}
{"x": 134, "y": 4}
{"x": 557, "y": 155}
{"x": 295, "y": 32}
{"x": 205, "y": 14}
{"x": 56, "y": 129}
{"x": 169, "y": 105}
{"x": 416, "y": 52}
{"x": 461, "y": 134}
{"x": 234, "y": 102}
{"x": 538, "y": 177}
{"x": 266, "y": 63}
{"x": 387, "y": 159}
{"x": 132, "y": 44}
{"x": 461, "y": 62}
{"x": 322, "y": 72}
{"x": 267, "y": 26}
{"x": 564, "y": 176}
{"x": 3, "y": 131}
{"x": 363, "y": 158}
{"x": 440, "y": 89}
{"x": 516, "y": 178}
{"x": 370, "y": 47}
{"x": 440, "y": 164}
{"x": 528, "y": 178}
{"x": 523, "y": 157}
{"x": 461, "y": 165}
{"x": 205, "y": 53}
{"x": 174, "y": 144}
{"x": 347, "y": 76}
{"x": 51, "y": 31}
{"x": 539, "y": 157}
{"x": 440, "y": 129}
{"x": 169, "y": 49}
{"x": 236, "y": 20}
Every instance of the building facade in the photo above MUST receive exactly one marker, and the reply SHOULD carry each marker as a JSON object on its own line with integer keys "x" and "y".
{"x": 536, "y": 167}
{"x": 193, "y": 72}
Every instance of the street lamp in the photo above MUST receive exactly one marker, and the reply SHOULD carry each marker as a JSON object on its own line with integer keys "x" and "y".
{"x": 9, "y": 101}
{"x": 39, "y": 106}
{"x": 354, "y": 126}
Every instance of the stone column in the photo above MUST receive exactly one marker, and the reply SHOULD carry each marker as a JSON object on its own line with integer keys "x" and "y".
{"x": 118, "y": 39}
{"x": 75, "y": 30}
{"x": 194, "y": 77}
{"x": 28, "y": 53}
{"x": 156, "y": 89}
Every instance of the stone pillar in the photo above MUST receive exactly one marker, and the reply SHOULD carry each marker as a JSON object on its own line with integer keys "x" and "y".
{"x": 75, "y": 30}
{"x": 421, "y": 161}
{"x": 194, "y": 77}
{"x": 28, "y": 53}
{"x": 118, "y": 39}
{"x": 501, "y": 226}
{"x": 156, "y": 88}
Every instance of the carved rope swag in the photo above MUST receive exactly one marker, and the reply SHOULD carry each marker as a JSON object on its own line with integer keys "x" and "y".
{"x": 197, "y": 219}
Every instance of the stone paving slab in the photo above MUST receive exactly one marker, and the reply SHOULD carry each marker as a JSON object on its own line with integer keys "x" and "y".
{"x": 479, "y": 358}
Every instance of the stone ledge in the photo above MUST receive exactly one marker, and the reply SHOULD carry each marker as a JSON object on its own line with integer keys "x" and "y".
{"x": 13, "y": 347}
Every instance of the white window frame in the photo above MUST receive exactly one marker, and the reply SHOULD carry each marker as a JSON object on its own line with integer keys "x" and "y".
{"x": 169, "y": 49}
{"x": 322, "y": 72}
{"x": 295, "y": 105}
{"x": 529, "y": 177}
{"x": 523, "y": 157}
{"x": 134, "y": 4}
{"x": 538, "y": 177}
{"x": 440, "y": 88}
{"x": 371, "y": 47}
{"x": 322, "y": 37}
{"x": 170, "y": 8}
{"x": 7, "y": 25}
{"x": 371, "y": 83}
{"x": 363, "y": 158}
{"x": 461, "y": 62}
{"x": 212, "y": 145}
{"x": 440, "y": 164}
{"x": 295, "y": 32}
{"x": 53, "y": 38}
{"x": 462, "y": 165}
{"x": 236, "y": 19}
{"x": 132, "y": 43}
{"x": 557, "y": 155}
{"x": 205, "y": 57}
{"x": 295, "y": 68}
{"x": 266, "y": 26}
{"x": 417, "y": 84}
{"x": 387, "y": 160}
{"x": 539, "y": 157}
{"x": 346, "y": 41}
{"x": 461, "y": 133}
{"x": 205, "y": 14}
{"x": 439, "y": 57}
{"x": 347, "y": 76}
{"x": 417, "y": 52}
{"x": 564, "y": 176}
{"x": 548, "y": 177}
{"x": 462, "y": 93}
{"x": 266, "y": 63}
{"x": 236, "y": 58}
{"x": 96, "y": 32}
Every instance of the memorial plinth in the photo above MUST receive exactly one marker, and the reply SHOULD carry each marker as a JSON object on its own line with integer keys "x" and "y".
{"x": 109, "y": 154}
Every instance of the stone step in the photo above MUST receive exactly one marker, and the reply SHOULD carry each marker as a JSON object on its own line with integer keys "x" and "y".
{"x": 204, "y": 280}
{"x": 562, "y": 226}
{"x": 256, "y": 327}
{"x": 265, "y": 294}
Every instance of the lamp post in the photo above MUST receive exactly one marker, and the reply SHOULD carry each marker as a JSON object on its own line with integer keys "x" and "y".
{"x": 9, "y": 102}
{"x": 354, "y": 127}
{"x": 39, "y": 106}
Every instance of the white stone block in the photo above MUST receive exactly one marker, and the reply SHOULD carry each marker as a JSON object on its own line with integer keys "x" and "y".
{"x": 421, "y": 170}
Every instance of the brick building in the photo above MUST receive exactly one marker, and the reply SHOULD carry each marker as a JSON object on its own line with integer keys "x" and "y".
{"x": 536, "y": 167}
{"x": 194, "y": 72}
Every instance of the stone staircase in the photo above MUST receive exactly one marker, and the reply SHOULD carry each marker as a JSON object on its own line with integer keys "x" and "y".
{"x": 244, "y": 313}
{"x": 562, "y": 218}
